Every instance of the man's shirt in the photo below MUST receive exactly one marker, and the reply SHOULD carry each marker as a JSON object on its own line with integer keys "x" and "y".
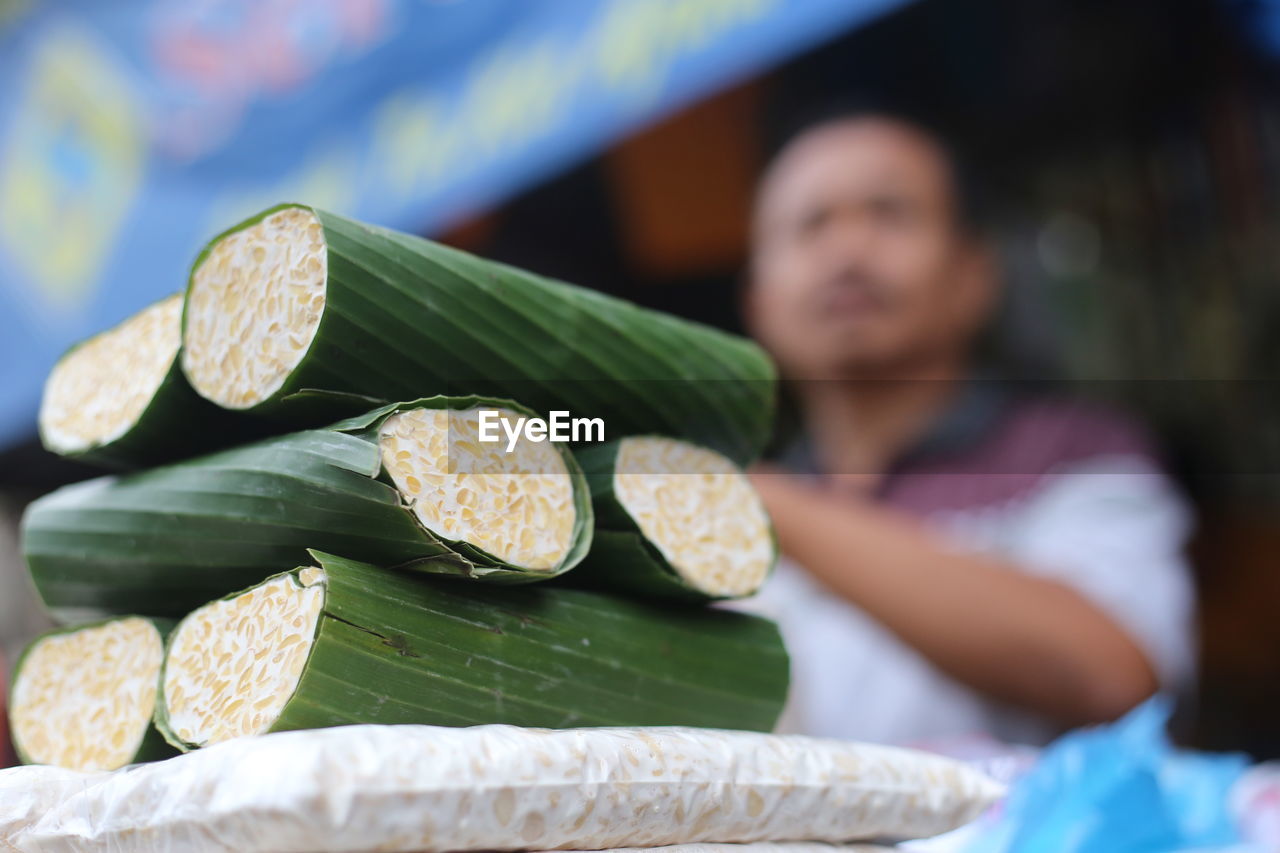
{"x": 1061, "y": 490}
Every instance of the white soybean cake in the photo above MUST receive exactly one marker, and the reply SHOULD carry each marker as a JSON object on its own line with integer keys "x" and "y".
{"x": 516, "y": 504}
{"x": 119, "y": 398}
{"x": 406, "y": 485}
{"x": 83, "y": 697}
{"x": 437, "y": 789}
{"x": 296, "y": 313}
{"x": 674, "y": 519}
{"x": 342, "y": 643}
{"x": 254, "y": 305}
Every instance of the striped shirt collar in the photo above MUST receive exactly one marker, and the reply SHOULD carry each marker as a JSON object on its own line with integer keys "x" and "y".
{"x": 975, "y": 408}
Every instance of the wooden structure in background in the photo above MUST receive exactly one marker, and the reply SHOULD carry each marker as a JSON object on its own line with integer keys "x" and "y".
{"x": 682, "y": 187}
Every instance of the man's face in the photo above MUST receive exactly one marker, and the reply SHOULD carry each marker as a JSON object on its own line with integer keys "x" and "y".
{"x": 859, "y": 268}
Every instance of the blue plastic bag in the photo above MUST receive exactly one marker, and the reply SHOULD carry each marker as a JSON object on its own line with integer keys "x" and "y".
{"x": 1120, "y": 788}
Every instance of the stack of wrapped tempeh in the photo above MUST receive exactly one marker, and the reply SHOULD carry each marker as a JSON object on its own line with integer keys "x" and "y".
{"x": 372, "y": 555}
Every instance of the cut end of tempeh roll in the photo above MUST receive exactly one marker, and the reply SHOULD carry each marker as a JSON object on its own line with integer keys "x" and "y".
{"x": 253, "y": 306}
{"x": 517, "y": 505}
{"x": 699, "y": 510}
{"x": 83, "y": 699}
{"x": 100, "y": 389}
{"x": 233, "y": 664}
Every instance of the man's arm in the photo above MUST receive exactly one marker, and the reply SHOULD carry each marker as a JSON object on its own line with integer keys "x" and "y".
{"x": 1024, "y": 639}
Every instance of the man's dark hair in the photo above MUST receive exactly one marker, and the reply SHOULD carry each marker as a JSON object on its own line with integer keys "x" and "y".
{"x": 782, "y": 127}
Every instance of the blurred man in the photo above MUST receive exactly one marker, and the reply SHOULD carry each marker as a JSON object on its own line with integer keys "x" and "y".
{"x": 960, "y": 559}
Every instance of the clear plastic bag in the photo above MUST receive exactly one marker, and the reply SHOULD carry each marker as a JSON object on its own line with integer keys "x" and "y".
{"x": 426, "y": 788}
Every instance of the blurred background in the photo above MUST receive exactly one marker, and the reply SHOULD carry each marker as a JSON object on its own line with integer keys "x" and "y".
{"x": 1129, "y": 153}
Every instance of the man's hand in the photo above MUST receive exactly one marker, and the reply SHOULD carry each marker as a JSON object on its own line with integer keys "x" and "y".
{"x": 1023, "y": 639}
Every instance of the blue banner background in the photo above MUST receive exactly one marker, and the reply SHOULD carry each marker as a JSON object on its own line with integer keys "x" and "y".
{"x": 131, "y": 132}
